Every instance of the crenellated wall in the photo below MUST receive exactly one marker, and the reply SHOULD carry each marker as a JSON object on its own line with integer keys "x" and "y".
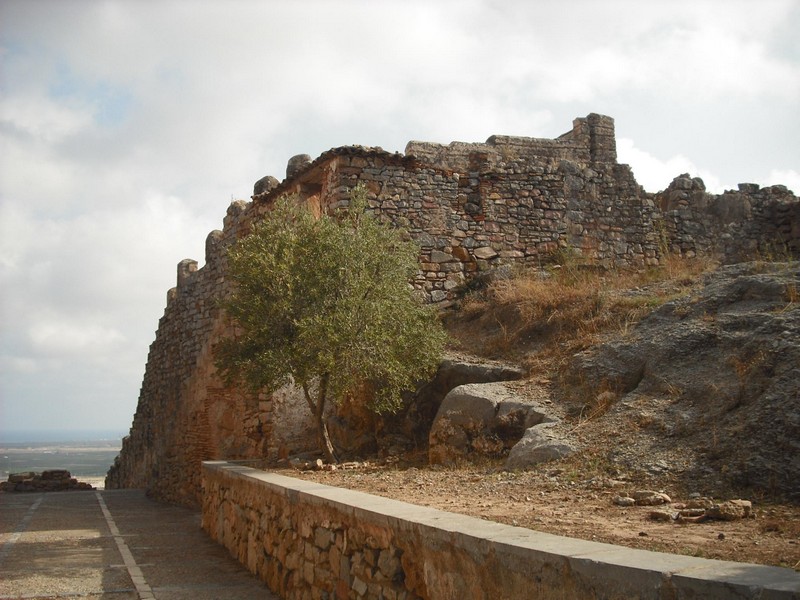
{"x": 471, "y": 208}
{"x": 186, "y": 414}
{"x": 737, "y": 225}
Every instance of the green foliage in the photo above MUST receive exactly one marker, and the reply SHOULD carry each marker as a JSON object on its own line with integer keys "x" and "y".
{"x": 326, "y": 302}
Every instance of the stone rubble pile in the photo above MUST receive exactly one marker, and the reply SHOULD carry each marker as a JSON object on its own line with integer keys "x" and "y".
{"x": 54, "y": 480}
{"x": 695, "y": 510}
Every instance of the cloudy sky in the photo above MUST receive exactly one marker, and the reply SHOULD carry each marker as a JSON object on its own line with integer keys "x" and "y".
{"x": 127, "y": 127}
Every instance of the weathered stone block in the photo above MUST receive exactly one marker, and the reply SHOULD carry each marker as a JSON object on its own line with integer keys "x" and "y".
{"x": 360, "y": 587}
{"x": 437, "y": 256}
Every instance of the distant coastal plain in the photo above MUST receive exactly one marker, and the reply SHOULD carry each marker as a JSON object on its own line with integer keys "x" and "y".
{"x": 88, "y": 459}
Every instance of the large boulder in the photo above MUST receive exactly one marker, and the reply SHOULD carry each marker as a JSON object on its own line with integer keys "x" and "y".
{"x": 480, "y": 420}
{"x": 541, "y": 443}
{"x": 357, "y": 431}
{"x": 297, "y": 164}
{"x": 413, "y": 421}
{"x": 265, "y": 185}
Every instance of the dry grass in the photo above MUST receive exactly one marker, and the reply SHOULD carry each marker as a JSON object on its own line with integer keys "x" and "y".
{"x": 540, "y": 316}
{"x": 782, "y": 526}
{"x": 792, "y": 296}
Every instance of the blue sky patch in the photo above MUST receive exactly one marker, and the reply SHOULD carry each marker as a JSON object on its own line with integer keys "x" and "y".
{"x": 110, "y": 104}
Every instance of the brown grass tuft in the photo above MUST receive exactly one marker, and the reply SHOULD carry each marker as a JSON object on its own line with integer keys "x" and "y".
{"x": 541, "y": 316}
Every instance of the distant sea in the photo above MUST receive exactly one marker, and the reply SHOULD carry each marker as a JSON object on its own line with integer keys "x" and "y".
{"x": 82, "y": 453}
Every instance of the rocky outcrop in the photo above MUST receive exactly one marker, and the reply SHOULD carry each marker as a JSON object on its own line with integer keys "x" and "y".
{"x": 480, "y": 420}
{"x": 714, "y": 377}
{"x": 357, "y": 431}
{"x": 541, "y": 443}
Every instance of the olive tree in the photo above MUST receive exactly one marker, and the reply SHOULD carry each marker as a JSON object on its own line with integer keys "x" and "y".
{"x": 325, "y": 303}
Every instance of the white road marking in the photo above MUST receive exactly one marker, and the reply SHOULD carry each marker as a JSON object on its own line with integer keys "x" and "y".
{"x": 23, "y": 525}
{"x": 142, "y": 588}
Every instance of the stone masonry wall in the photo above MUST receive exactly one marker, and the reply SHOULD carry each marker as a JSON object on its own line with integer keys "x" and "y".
{"x": 471, "y": 208}
{"x": 739, "y": 224}
{"x": 308, "y": 540}
{"x": 186, "y": 414}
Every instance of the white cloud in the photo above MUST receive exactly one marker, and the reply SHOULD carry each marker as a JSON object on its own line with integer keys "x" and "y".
{"x": 789, "y": 177}
{"x": 124, "y": 136}
{"x": 54, "y": 337}
{"x": 41, "y": 118}
{"x": 574, "y": 52}
{"x": 655, "y": 174}
{"x": 15, "y": 364}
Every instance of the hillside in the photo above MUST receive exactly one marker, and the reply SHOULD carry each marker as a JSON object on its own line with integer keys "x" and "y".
{"x": 683, "y": 380}
{"x": 698, "y": 370}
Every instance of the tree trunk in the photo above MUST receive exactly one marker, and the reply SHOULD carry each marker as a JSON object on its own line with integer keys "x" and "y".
{"x": 318, "y": 410}
{"x": 324, "y": 440}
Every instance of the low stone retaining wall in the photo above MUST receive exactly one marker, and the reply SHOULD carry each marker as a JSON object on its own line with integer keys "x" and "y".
{"x": 308, "y": 540}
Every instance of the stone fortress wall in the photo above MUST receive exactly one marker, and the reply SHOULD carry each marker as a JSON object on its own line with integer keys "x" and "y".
{"x": 471, "y": 208}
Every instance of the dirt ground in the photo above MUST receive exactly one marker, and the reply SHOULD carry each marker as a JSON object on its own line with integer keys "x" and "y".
{"x": 561, "y": 501}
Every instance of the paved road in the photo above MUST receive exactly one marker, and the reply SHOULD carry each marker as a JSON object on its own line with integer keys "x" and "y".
{"x": 114, "y": 544}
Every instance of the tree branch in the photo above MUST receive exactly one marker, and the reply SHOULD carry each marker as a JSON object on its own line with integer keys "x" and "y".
{"x": 309, "y": 399}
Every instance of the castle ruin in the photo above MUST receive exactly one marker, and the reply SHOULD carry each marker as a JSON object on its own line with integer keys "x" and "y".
{"x": 471, "y": 207}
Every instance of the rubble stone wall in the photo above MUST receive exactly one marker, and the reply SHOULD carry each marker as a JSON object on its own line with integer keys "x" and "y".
{"x": 308, "y": 540}
{"x": 53, "y": 480}
{"x": 471, "y": 208}
{"x": 186, "y": 413}
{"x": 737, "y": 225}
